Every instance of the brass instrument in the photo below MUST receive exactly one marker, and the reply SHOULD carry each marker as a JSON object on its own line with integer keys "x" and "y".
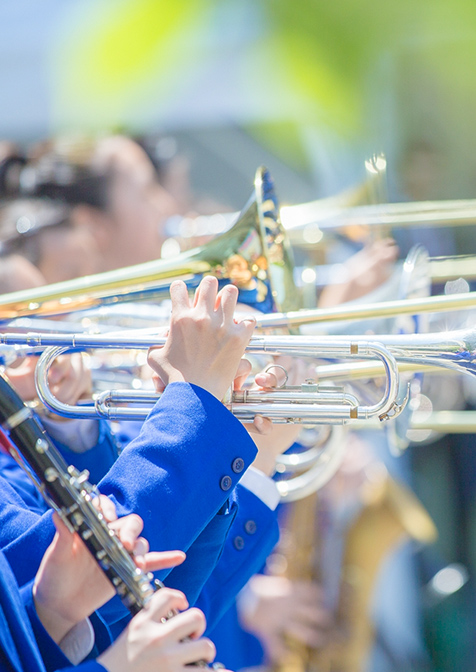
{"x": 310, "y": 404}
{"x": 452, "y": 350}
{"x": 364, "y": 311}
{"x": 331, "y": 215}
{"x": 305, "y": 405}
{"x": 311, "y": 470}
{"x": 254, "y": 255}
{"x": 389, "y": 514}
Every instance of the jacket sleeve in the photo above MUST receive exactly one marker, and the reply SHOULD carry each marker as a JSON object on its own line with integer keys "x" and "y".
{"x": 176, "y": 475}
{"x": 180, "y": 470}
{"x": 98, "y": 459}
{"x": 203, "y": 554}
{"x": 51, "y": 654}
{"x": 252, "y": 537}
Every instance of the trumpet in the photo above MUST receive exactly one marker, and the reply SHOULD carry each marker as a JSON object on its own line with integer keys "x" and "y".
{"x": 307, "y": 405}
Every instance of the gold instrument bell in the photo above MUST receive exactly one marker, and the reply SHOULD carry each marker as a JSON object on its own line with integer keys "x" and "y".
{"x": 254, "y": 254}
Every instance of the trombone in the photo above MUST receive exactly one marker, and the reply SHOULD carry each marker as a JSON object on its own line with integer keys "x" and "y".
{"x": 364, "y": 311}
{"x": 254, "y": 254}
{"x": 332, "y": 216}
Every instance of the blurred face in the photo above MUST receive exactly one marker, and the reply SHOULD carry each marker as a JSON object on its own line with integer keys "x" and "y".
{"x": 18, "y": 274}
{"x": 67, "y": 253}
{"x": 138, "y": 209}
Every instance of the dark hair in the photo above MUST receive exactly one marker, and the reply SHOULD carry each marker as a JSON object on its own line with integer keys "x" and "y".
{"x": 55, "y": 178}
{"x": 21, "y": 222}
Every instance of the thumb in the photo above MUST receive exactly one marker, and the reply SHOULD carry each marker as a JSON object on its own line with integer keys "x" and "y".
{"x": 63, "y": 541}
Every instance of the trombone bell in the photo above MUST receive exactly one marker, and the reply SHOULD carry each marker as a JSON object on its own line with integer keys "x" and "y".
{"x": 254, "y": 255}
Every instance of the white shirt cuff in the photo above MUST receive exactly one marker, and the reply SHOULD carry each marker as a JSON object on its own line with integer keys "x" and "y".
{"x": 78, "y": 642}
{"x": 77, "y": 435}
{"x": 262, "y": 486}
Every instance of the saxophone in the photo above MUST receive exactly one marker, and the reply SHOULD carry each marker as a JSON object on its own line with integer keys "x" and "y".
{"x": 389, "y": 514}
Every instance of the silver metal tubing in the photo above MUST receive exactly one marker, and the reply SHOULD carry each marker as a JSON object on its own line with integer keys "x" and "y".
{"x": 319, "y": 472}
{"x": 342, "y": 411}
{"x": 280, "y": 405}
{"x": 447, "y": 422}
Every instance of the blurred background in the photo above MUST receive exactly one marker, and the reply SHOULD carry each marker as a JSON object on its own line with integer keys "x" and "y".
{"x": 311, "y": 89}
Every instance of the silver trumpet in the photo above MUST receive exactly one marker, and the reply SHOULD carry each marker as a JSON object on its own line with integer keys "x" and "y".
{"x": 307, "y": 404}
{"x": 310, "y": 403}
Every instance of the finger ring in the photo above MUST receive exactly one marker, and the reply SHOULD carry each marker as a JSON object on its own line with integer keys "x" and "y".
{"x": 278, "y": 366}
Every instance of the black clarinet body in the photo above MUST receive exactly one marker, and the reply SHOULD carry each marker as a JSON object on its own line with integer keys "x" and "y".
{"x": 70, "y": 493}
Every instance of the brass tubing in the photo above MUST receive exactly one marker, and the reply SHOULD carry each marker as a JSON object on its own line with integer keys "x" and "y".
{"x": 361, "y": 311}
{"x": 334, "y": 217}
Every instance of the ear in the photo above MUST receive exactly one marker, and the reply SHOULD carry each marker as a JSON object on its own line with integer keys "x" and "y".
{"x": 98, "y": 223}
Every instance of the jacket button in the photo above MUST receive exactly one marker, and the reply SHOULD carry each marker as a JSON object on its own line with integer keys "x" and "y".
{"x": 238, "y": 465}
{"x": 226, "y": 483}
{"x": 250, "y": 526}
{"x": 239, "y": 543}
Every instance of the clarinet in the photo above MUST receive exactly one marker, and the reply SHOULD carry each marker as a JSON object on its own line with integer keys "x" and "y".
{"x": 68, "y": 491}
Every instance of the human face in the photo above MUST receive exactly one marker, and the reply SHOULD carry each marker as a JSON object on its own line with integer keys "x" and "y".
{"x": 138, "y": 208}
{"x": 67, "y": 253}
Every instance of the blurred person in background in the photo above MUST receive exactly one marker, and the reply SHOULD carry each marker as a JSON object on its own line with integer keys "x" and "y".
{"x": 113, "y": 197}
{"x": 114, "y": 206}
{"x": 42, "y": 231}
{"x": 121, "y": 194}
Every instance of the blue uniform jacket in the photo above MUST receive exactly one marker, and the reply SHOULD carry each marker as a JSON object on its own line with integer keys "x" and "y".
{"x": 169, "y": 448}
{"x": 236, "y": 648}
{"x": 176, "y": 475}
{"x": 25, "y": 645}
